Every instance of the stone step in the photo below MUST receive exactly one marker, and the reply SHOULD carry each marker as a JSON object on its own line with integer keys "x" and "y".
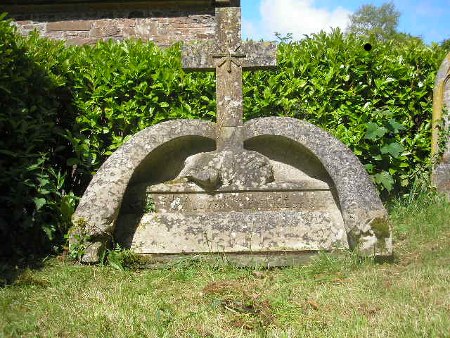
{"x": 257, "y": 200}
{"x": 232, "y": 232}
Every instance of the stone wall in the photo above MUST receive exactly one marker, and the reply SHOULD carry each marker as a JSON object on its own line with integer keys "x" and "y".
{"x": 80, "y": 22}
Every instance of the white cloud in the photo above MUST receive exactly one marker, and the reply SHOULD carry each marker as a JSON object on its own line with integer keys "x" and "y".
{"x": 298, "y": 17}
{"x": 249, "y": 29}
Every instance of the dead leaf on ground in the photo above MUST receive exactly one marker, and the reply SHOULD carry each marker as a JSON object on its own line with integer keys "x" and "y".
{"x": 241, "y": 324}
{"x": 313, "y": 304}
{"x": 368, "y": 310}
{"x": 220, "y": 287}
{"x": 258, "y": 274}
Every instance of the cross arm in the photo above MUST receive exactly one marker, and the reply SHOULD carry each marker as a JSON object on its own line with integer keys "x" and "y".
{"x": 204, "y": 55}
{"x": 198, "y": 56}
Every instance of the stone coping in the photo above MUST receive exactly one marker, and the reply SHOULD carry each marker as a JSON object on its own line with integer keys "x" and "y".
{"x": 258, "y": 260}
{"x": 30, "y": 8}
{"x": 160, "y": 3}
{"x": 306, "y": 185}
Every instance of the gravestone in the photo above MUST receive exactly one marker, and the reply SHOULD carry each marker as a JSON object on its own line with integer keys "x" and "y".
{"x": 271, "y": 190}
{"x": 441, "y": 109}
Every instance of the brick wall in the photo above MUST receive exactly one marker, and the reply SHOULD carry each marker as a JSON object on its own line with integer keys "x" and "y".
{"x": 81, "y": 23}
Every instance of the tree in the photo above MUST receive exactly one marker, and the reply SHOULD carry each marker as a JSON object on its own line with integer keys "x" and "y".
{"x": 372, "y": 21}
{"x": 445, "y": 44}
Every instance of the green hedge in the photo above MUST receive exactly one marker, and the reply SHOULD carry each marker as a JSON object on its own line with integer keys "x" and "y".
{"x": 377, "y": 102}
{"x": 64, "y": 110}
{"x": 35, "y": 206}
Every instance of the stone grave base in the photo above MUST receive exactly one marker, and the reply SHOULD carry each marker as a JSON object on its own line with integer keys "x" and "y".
{"x": 258, "y": 260}
{"x": 250, "y": 224}
{"x": 266, "y": 231}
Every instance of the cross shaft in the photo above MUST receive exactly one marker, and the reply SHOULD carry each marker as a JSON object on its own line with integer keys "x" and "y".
{"x": 228, "y": 56}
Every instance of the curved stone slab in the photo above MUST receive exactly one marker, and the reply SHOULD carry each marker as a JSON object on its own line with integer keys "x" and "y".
{"x": 441, "y": 101}
{"x": 442, "y": 77}
{"x": 364, "y": 215}
{"x": 98, "y": 209}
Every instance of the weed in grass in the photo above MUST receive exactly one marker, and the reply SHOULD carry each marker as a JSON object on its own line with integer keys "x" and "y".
{"x": 121, "y": 259}
{"x": 424, "y": 216}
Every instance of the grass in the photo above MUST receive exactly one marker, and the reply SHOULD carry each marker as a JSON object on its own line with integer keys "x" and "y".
{"x": 334, "y": 296}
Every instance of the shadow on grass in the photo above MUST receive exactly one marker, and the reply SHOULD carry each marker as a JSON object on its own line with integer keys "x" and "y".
{"x": 19, "y": 271}
{"x": 386, "y": 259}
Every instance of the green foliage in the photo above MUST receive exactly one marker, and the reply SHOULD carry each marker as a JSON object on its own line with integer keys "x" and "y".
{"x": 64, "y": 110}
{"x": 445, "y": 44}
{"x": 372, "y": 21}
{"x": 420, "y": 213}
{"x": 378, "y": 103}
{"x": 149, "y": 204}
{"x": 80, "y": 240}
{"x": 121, "y": 259}
{"x": 35, "y": 208}
{"x": 444, "y": 134}
{"x": 122, "y": 88}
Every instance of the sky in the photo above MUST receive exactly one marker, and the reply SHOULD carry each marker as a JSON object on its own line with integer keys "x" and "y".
{"x": 428, "y": 19}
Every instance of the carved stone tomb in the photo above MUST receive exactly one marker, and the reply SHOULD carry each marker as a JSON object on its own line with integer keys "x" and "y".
{"x": 272, "y": 190}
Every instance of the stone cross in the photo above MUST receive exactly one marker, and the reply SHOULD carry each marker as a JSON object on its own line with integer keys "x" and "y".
{"x": 228, "y": 56}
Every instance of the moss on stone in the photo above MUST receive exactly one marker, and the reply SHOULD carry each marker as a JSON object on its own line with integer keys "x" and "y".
{"x": 381, "y": 227}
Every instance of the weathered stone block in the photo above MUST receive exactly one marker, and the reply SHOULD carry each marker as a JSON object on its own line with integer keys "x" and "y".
{"x": 104, "y": 29}
{"x": 94, "y": 252}
{"x": 236, "y": 232}
{"x": 71, "y": 25}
